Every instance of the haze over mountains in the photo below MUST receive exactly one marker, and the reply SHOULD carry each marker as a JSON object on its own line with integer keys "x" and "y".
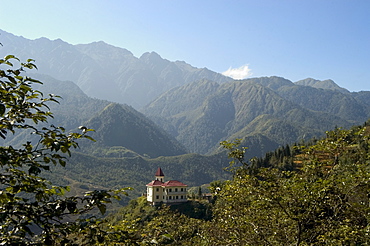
{"x": 183, "y": 109}
{"x": 104, "y": 71}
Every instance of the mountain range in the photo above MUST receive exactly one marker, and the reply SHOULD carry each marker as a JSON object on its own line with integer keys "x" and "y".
{"x": 104, "y": 71}
{"x": 273, "y": 107}
{"x": 184, "y": 112}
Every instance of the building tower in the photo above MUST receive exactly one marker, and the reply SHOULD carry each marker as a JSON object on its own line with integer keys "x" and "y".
{"x": 159, "y": 175}
{"x": 170, "y": 192}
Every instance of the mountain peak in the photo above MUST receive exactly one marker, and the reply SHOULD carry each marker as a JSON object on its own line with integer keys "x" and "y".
{"x": 121, "y": 125}
{"x": 321, "y": 84}
{"x": 103, "y": 47}
{"x": 151, "y": 57}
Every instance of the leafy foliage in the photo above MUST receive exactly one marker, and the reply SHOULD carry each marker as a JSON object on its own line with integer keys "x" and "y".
{"x": 174, "y": 225}
{"x": 323, "y": 200}
{"x": 32, "y": 210}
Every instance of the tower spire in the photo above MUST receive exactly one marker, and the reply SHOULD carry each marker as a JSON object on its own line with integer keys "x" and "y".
{"x": 159, "y": 175}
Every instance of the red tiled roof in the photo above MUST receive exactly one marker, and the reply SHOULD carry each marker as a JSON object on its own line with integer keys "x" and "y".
{"x": 159, "y": 172}
{"x": 174, "y": 183}
{"x": 166, "y": 184}
{"x": 155, "y": 183}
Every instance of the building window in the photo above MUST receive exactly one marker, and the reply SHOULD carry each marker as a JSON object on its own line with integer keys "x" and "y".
{"x": 177, "y": 197}
{"x": 182, "y": 197}
{"x": 170, "y": 190}
{"x": 169, "y": 197}
{"x": 175, "y": 189}
{"x": 182, "y": 189}
{"x": 157, "y": 197}
{"x": 163, "y": 189}
{"x": 157, "y": 189}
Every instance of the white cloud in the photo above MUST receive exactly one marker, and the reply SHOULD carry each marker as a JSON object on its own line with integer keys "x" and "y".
{"x": 238, "y": 73}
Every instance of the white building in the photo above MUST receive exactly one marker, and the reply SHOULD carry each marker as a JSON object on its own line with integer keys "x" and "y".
{"x": 172, "y": 191}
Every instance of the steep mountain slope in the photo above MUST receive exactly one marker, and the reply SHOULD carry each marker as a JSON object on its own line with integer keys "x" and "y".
{"x": 182, "y": 99}
{"x": 120, "y": 125}
{"x": 104, "y": 71}
{"x": 330, "y": 101}
{"x": 363, "y": 97}
{"x": 277, "y": 129}
{"x": 273, "y": 107}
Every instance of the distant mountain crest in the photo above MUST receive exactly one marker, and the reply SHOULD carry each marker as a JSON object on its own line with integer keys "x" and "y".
{"x": 273, "y": 82}
{"x": 321, "y": 84}
{"x": 104, "y": 71}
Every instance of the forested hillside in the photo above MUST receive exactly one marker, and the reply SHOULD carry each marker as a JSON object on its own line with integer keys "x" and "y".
{"x": 87, "y": 172}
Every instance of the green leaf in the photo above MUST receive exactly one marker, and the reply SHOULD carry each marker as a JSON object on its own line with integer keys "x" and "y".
{"x": 8, "y": 57}
{"x": 2, "y": 109}
{"x": 102, "y": 208}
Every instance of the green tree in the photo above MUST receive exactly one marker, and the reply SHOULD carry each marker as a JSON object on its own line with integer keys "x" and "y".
{"x": 171, "y": 228}
{"x": 322, "y": 201}
{"x": 32, "y": 210}
{"x": 199, "y": 192}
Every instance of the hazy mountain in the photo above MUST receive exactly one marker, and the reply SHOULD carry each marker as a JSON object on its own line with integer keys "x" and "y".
{"x": 104, "y": 71}
{"x": 203, "y": 113}
{"x": 74, "y": 107}
{"x": 120, "y": 130}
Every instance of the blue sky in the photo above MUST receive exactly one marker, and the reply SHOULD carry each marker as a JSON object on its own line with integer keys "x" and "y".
{"x": 294, "y": 39}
